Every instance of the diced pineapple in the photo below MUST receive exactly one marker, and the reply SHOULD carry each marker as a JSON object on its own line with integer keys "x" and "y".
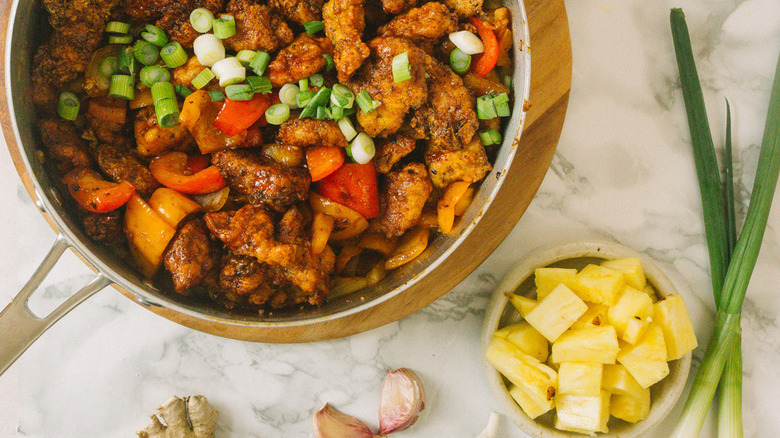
{"x": 672, "y": 316}
{"x": 635, "y": 329}
{"x": 628, "y": 408}
{"x": 527, "y": 339}
{"x": 595, "y": 344}
{"x": 582, "y": 413}
{"x": 556, "y": 312}
{"x": 645, "y": 360}
{"x": 538, "y": 381}
{"x": 630, "y": 304}
{"x": 617, "y": 380}
{"x": 597, "y": 284}
{"x": 521, "y": 303}
{"x": 631, "y": 268}
{"x": 579, "y": 378}
{"x": 529, "y": 405}
{"x": 650, "y": 291}
{"x": 547, "y": 279}
{"x": 595, "y": 316}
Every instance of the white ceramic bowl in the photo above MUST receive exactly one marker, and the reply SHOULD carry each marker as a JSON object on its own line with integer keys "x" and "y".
{"x": 520, "y": 280}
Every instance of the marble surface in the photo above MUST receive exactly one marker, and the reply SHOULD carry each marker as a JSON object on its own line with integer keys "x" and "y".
{"x": 623, "y": 171}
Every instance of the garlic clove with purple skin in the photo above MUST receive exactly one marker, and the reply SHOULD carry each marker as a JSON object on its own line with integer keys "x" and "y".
{"x": 401, "y": 401}
{"x": 330, "y": 423}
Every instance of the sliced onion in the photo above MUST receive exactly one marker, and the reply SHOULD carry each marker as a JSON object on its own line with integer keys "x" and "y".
{"x": 287, "y": 95}
{"x": 467, "y": 41}
{"x": 229, "y": 71}
{"x": 208, "y": 49}
{"x": 213, "y": 201}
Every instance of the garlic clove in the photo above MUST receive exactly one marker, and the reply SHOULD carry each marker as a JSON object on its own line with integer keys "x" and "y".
{"x": 401, "y": 401}
{"x": 491, "y": 430}
{"x": 330, "y": 423}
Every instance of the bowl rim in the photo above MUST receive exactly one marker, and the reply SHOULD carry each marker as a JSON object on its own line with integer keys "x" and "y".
{"x": 523, "y": 270}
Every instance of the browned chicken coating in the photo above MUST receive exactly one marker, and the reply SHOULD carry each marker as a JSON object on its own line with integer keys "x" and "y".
{"x": 105, "y": 228}
{"x": 299, "y": 11}
{"x": 402, "y": 197}
{"x": 121, "y": 165}
{"x": 344, "y": 24}
{"x": 152, "y": 139}
{"x": 191, "y": 255}
{"x": 65, "y": 145}
{"x": 106, "y": 127}
{"x": 465, "y": 8}
{"x": 173, "y": 16}
{"x": 469, "y": 164}
{"x": 258, "y": 27}
{"x": 186, "y": 73}
{"x": 429, "y": 22}
{"x": 262, "y": 180}
{"x": 482, "y": 86}
{"x": 243, "y": 279}
{"x": 398, "y": 6}
{"x": 376, "y": 78}
{"x": 299, "y": 60}
{"x": 391, "y": 151}
{"x": 311, "y": 132}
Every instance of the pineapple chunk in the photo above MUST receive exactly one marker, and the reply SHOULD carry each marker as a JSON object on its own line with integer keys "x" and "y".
{"x": 521, "y": 303}
{"x": 527, "y": 339}
{"x": 547, "y": 279}
{"x": 628, "y": 408}
{"x": 645, "y": 360}
{"x": 617, "y": 380}
{"x": 632, "y": 303}
{"x": 556, "y": 312}
{"x": 582, "y": 413}
{"x": 631, "y": 268}
{"x": 538, "y": 381}
{"x": 595, "y": 344}
{"x": 650, "y": 291}
{"x": 597, "y": 284}
{"x": 580, "y": 378}
{"x": 527, "y": 404}
{"x": 595, "y": 316}
{"x": 635, "y": 329}
{"x": 672, "y": 316}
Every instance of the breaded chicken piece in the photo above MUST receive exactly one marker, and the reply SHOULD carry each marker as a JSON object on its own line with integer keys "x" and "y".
{"x": 429, "y": 22}
{"x": 398, "y": 6}
{"x": 402, "y": 197}
{"x": 311, "y": 132}
{"x": 258, "y": 27}
{"x": 152, "y": 139}
{"x": 465, "y": 8}
{"x": 482, "y": 86}
{"x": 396, "y": 99}
{"x": 299, "y": 60}
{"x": 64, "y": 144}
{"x": 469, "y": 164}
{"x": 391, "y": 151}
{"x": 191, "y": 255}
{"x": 299, "y": 11}
{"x": 243, "y": 279}
{"x": 120, "y": 165}
{"x": 105, "y": 228}
{"x": 344, "y": 24}
{"x": 173, "y": 16}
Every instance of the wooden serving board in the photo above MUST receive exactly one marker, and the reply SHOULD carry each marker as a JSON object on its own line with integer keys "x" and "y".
{"x": 550, "y": 84}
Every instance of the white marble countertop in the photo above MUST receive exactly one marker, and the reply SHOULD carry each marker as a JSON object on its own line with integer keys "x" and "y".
{"x": 623, "y": 171}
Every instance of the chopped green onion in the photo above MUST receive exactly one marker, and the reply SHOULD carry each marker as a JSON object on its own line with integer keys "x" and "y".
{"x": 277, "y": 114}
{"x": 154, "y": 35}
{"x": 352, "y": 111}
{"x": 151, "y": 74}
{"x": 337, "y": 112}
{"x": 208, "y": 49}
{"x": 121, "y": 86}
{"x": 303, "y": 98}
{"x": 485, "y": 108}
{"x": 303, "y": 84}
{"x": 365, "y": 102}
{"x": 173, "y": 55}
{"x": 362, "y": 148}
{"x": 402, "y": 71}
{"x": 203, "y": 78}
{"x": 501, "y": 102}
{"x": 259, "y": 84}
{"x": 167, "y": 111}
{"x": 288, "y": 93}
{"x": 260, "y": 62}
{"x": 347, "y": 129}
{"x": 145, "y": 52}
{"x": 216, "y": 96}
{"x": 460, "y": 61}
{"x": 319, "y": 99}
{"x": 120, "y": 39}
{"x": 323, "y": 113}
{"x": 313, "y": 27}
{"x": 109, "y": 66}
{"x": 330, "y": 65}
{"x": 68, "y": 106}
{"x": 201, "y": 20}
{"x": 117, "y": 27}
{"x": 229, "y": 71}
{"x": 162, "y": 91}
{"x": 342, "y": 96}
{"x": 127, "y": 62}
{"x": 224, "y": 26}
{"x": 316, "y": 80}
{"x": 490, "y": 136}
{"x": 508, "y": 81}
{"x": 182, "y": 91}
{"x": 245, "y": 57}
{"x": 467, "y": 41}
{"x": 239, "y": 92}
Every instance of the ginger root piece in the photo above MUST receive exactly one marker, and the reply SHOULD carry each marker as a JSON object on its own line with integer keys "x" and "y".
{"x": 188, "y": 417}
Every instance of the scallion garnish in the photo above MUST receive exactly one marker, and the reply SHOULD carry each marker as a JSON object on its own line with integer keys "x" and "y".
{"x": 245, "y": 57}
{"x": 151, "y": 74}
{"x": 120, "y": 39}
{"x": 182, "y": 91}
{"x": 365, "y": 102}
{"x": 318, "y": 100}
{"x": 362, "y": 148}
{"x": 489, "y": 137}
{"x": 303, "y": 84}
{"x": 216, "y": 96}
{"x": 330, "y": 65}
{"x": 239, "y": 92}
{"x": 68, "y": 106}
{"x": 173, "y": 55}
{"x": 201, "y": 20}
{"x": 486, "y": 109}
{"x": 337, "y": 112}
{"x": 145, "y": 52}
{"x": 313, "y": 27}
{"x": 109, "y": 66}
{"x": 342, "y": 96}
{"x": 323, "y": 113}
{"x": 224, "y": 26}
{"x": 162, "y": 90}
{"x": 345, "y": 125}
{"x": 288, "y": 93}
{"x": 167, "y": 112}
{"x": 203, "y": 78}
{"x": 508, "y": 81}
{"x": 277, "y": 114}
{"x": 126, "y": 62}
{"x": 259, "y": 84}
{"x": 402, "y": 70}
{"x": 501, "y": 102}
{"x": 316, "y": 80}
{"x": 229, "y": 71}
{"x": 460, "y": 61}
{"x": 155, "y": 35}
{"x": 122, "y": 87}
{"x": 117, "y": 27}
{"x": 260, "y": 62}
{"x": 303, "y": 98}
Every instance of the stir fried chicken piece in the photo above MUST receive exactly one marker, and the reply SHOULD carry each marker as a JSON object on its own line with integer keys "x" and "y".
{"x": 429, "y": 22}
{"x": 482, "y": 86}
{"x": 299, "y": 11}
{"x": 191, "y": 255}
{"x": 311, "y": 132}
{"x": 120, "y": 165}
{"x": 262, "y": 180}
{"x": 244, "y": 279}
{"x": 465, "y": 8}
{"x": 65, "y": 145}
{"x": 152, "y": 139}
{"x": 173, "y": 16}
{"x": 106, "y": 228}
{"x": 106, "y": 118}
{"x": 469, "y": 164}
{"x": 299, "y": 60}
{"x": 257, "y": 27}
{"x": 402, "y": 198}
{"x": 291, "y": 227}
{"x": 391, "y": 151}
{"x": 344, "y": 25}
{"x": 398, "y": 6}
{"x": 396, "y": 99}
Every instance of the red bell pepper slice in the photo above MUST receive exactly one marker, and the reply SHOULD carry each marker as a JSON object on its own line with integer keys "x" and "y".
{"x": 323, "y": 160}
{"x": 238, "y": 115}
{"x": 108, "y": 109}
{"x": 487, "y": 60}
{"x": 355, "y": 186}
{"x": 172, "y": 171}
{"x": 94, "y": 193}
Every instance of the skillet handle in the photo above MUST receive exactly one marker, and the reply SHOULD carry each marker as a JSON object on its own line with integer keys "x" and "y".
{"x": 19, "y": 327}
